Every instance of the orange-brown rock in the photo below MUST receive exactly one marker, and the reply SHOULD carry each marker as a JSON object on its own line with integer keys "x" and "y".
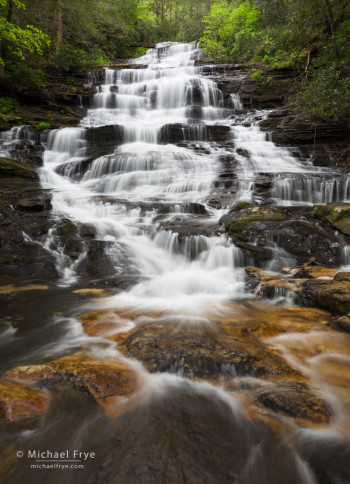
{"x": 19, "y": 402}
{"x": 286, "y": 397}
{"x": 208, "y": 352}
{"x": 104, "y": 323}
{"x": 100, "y": 378}
{"x": 332, "y": 295}
{"x": 314, "y": 272}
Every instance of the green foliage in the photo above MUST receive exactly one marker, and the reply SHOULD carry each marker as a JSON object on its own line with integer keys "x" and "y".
{"x": 139, "y": 51}
{"x": 22, "y": 76}
{"x": 18, "y": 40}
{"x": 311, "y": 35}
{"x": 8, "y": 105}
{"x": 231, "y": 30}
{"x": 257, "y": 75}
{"x": 42, "y": 126}
{"x": 70, "y": 60}
{"x": 327, "y": 94}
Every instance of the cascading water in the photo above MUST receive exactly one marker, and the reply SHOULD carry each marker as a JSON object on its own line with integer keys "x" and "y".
{"x": 143, "y": 102}
{"x": 141, "y": 175}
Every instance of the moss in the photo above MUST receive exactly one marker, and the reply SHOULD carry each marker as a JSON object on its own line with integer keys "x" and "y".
{"x": 68, "y": 226}
{"x": 42, "y": 126}
{"x": 15, "y": 168}
{"x": 255, "y": 214}
{"x": 321, "y": 211}
{"x": 342, "y": 225}
{"x": 339, "y": 213}
{"x": 242, "y": 206}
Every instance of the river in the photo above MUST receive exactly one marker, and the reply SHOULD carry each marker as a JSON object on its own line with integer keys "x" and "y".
{"x": 197, "y": 379}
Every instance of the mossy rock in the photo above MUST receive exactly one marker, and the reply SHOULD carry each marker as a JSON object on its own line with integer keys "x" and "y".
{"x": 342, "y": 225}
{"x": 67, "y": 227}
{"x": 15, "y": 168}
{"x": 255, "y": 214}
{"x": 321, "y": 211}
{"x": 241, "y": 206}
{"x": 337, "y": 214}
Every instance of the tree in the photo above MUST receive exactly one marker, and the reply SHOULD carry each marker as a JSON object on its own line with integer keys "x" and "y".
{"x": 16, "y": 39}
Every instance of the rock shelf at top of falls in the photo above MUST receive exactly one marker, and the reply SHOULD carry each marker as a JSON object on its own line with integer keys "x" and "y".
{"x": 196, "y": 236}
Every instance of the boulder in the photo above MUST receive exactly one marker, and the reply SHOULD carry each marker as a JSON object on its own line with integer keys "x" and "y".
{"x": 332, "y": 295}
{"x": 292, "y": 229}
{"x": 20, "y": 402}
{"x": 337, "y": 214}
{"x": 99, "y": 378}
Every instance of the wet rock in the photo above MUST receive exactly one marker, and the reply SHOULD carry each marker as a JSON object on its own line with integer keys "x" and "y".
{"x": 343, "y": 323}
{"x": 315, "y": 272}
{"x": 297, "y": 403}
{"x": 175, "y": 133}
{"x": 35, "y": 204}
{"x": 293, "y": 229}
{"x": 97, "y": 263}
{"x": 337, "y": 214}
{"x": 331, "y": 295}
{"x": 77, "y": 169}
{"x": 24, "y": 219}
{"x": 222, "y": 435}
{"x": 67, "y": 227}
{"x": 218, "y": 133}
{"x": 290, "y": 398}
{"x": 194, "y": 112}
{"x": 323, "y": 140}
{"x": 104, "y": 134}
{"x": 99, "y": 378}
{"x": 171, "y": 133}
{"x": 199, "y": 352}
{"x": 16, "y": 169}
{"x": 20, "y": 402}
{"x": 271, "y": 284}
{"x": 342, "y": 276}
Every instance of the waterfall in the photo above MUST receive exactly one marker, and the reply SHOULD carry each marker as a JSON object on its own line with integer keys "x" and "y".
{"x": 149, "y": 150}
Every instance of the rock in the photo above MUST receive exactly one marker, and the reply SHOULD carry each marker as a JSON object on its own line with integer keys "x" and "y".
{"x": 324, "y": 141}
{"x": 17, "y": 169}
{"x": 343, "y": 323}
{"x": 240, "y": 217}
{"x": 221, "y": 432}
{"x": 175, "y": 133}
{"x": 36, "y": 204}
{"x": 171, "y": 133}
{"x": 331, "y": 295}
{"x": 292, "y": 229}
{"x": 99, "y": 378}
{"x": 315, "y": 272}
{"x": 337, "y": 214}
{"x": 286, "y": 397}
{"x": 225, "y": 350}
{"x": 20, "y": 402}
{"x": 24, "y": 219}
{"x": 342, "y": 276}
{"x": 67, "y": 227}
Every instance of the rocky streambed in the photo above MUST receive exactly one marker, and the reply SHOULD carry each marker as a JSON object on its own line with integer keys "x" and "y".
{"x": 174, "y": 285}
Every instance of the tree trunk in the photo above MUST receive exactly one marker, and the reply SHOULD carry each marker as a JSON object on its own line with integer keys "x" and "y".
{"x": 59, "y": 26}
{"x": 331, "y": 26}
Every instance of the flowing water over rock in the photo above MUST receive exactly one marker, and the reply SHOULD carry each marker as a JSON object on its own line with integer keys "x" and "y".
{"x": 186, "y": 376}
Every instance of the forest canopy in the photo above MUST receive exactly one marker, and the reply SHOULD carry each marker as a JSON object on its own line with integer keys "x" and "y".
{"x": 310, "y": 35}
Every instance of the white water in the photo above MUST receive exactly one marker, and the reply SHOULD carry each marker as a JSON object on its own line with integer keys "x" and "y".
{"x": 179, "y": 271}
{"x": 190, "y": 276}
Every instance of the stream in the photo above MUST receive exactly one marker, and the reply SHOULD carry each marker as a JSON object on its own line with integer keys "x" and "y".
{"x": 187, "y": 376}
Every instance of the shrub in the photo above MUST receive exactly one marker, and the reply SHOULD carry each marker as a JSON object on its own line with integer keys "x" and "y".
{"x": 8, "y": 105}
{"x": 43, "y": 125}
